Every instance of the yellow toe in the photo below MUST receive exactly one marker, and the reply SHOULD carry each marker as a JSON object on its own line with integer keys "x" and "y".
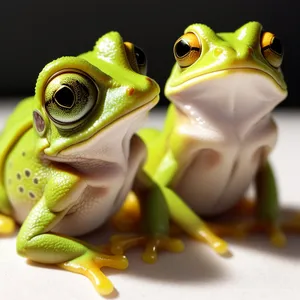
{"x": 7, "y": 225}
{"x": 90, "y": 264}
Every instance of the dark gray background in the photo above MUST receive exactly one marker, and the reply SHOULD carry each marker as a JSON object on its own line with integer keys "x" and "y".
{"x": 35, "y": 32}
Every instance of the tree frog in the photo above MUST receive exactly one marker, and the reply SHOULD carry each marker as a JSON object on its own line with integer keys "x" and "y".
{"x": 219, "y": 131}
{"x": 70, "y": 155}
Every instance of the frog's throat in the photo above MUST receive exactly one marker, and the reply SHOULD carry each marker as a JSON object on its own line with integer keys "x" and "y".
{"x": 236, "y": 99}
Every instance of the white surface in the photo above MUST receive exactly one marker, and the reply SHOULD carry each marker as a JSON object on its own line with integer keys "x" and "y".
{"x": 256, "y": 271}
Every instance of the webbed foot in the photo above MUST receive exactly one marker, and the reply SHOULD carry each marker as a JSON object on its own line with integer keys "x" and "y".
{"x": 90, "y": 264}
{"x": 7, "y": 225}
{"x": 121, "y": 243}
{"x": 292, "y": 225}
{"x": 242, "y": 229}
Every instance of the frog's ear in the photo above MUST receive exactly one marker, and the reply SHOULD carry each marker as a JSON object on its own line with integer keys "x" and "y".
{"x": 39, "y": 122}
{"x": 110, "y": 47}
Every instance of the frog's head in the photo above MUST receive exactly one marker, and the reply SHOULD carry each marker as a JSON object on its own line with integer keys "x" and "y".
{"x": 234, "y": 76}
{"x": 79, "y": 98}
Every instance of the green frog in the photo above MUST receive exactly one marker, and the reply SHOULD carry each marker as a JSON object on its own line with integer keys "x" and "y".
{"x": 70, "y": 155}
{"x": 219, "y": 130}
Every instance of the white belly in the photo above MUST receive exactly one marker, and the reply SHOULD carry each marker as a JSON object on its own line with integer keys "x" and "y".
{"x": 103, "y": 194}
{"x": 220, "y": 166}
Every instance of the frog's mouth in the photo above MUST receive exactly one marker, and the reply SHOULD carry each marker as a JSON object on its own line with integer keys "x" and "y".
{"x": 111, "y": 142}
{"x": 234, "y": 97}
{"x": 211, "y": 76}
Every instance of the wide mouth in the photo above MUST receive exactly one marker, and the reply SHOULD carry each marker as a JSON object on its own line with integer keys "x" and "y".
{"x": 60, "y": 156}
{"x": 215, "y": 74}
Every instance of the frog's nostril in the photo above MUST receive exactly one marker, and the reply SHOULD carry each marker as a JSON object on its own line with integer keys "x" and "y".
{"x": 130, "y": 91}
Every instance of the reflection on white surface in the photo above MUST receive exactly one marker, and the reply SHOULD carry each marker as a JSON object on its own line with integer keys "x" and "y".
{"x": 256, "y": 271}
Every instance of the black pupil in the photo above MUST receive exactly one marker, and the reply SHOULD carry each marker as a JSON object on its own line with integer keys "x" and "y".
{"x": 140, "y": 56}
{"x": 65, "y": 97}
{"x": 276, "y": 46}
{"x": 182, "y": 48}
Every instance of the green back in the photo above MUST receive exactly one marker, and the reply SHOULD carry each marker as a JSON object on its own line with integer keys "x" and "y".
{"x": 18, "y": 123}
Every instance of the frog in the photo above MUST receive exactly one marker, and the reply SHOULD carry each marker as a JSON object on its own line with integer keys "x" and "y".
{"x": 70, "y": 155}
{"x": 219, "y": 132}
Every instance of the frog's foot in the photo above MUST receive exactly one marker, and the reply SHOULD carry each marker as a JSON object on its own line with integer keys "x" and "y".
{"x": 241, "y": 229}
{"x": 89, "y": 265}
{"x": 206, "y": 235}
{"x": 292, "y": 225}
{"x": 121, "y": 243}
{"x": 7, "y": 225}
{"x": 127, "y": 219}
{"x": 245, "y": 207}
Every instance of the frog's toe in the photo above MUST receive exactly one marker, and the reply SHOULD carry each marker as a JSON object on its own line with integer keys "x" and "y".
{"x": 277, "y": 237}
{"x": 292, "y": 225}
{"x": 7, "y": 225}
{"x": 90, "y": 264}
{"x": 119, "y": 244}
{"x": 153, "y": 244}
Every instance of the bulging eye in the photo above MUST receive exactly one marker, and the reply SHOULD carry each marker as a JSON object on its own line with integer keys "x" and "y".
{"x": 271, "y": 49}
{"x": 141, "y": 60}
{"x": 187, "y": 49}
{"x": 136, "y": 57}
{"x": 69, "y": 97}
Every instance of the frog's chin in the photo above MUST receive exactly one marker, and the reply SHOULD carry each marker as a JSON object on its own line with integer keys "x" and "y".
{"x": 238, "y": 97}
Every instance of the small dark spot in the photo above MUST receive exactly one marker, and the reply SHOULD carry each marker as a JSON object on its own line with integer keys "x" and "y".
{"x": 27, "y": 173}
{"x": 19, "y": 176}
{"x": 31, "y": 194}
{"x": 23, "y": 153}
{"x": 35, "y": 181}
{"x": 21, "y": 189}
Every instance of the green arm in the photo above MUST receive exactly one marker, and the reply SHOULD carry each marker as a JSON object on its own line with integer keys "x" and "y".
{"x": 266, "y": 192}
{"x": 154, "y": 209}
{"x": 181, "y": 213}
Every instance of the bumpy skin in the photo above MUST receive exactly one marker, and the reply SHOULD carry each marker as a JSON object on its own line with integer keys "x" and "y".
{"x": 218, "y": 131}
{"x": 69, "y": 157}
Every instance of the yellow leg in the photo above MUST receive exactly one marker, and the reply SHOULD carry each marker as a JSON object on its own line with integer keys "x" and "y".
{"x": 90, "y": 264}
{"x": 121, "y": 243}
{"x": 7, "y": 225}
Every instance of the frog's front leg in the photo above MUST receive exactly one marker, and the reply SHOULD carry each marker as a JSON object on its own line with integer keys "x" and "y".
{"x": 154, "y": 223}
{"x": 181, "y": 214}
{"x": 268, "y": 210}
{"x": 38, "y": 243}
{"x": 7, "y": 223}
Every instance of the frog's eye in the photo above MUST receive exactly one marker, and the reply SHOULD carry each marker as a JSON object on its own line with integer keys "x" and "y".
{"x": 187, "y": 49}
{"x": 271, "y": 49}
{"x": 141, "y": 60}
{"x": 136, "y": 58}
{"x": 69, "y": 97}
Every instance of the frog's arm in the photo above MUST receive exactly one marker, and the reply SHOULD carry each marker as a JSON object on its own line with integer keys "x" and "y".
{"x": 36, "y": 241}
{"x": 267, "y": 206}
{"x": 180, "y": 212}
{"x": 266, "y": 193}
